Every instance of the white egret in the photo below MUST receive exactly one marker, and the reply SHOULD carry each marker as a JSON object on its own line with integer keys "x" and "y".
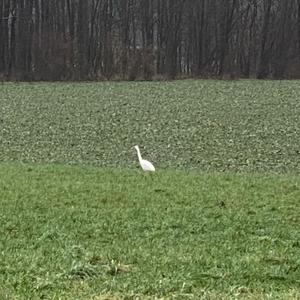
{"x": 145, "y": 164}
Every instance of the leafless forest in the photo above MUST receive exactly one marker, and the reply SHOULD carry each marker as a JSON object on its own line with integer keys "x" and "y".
{"x": 149, "y": 39}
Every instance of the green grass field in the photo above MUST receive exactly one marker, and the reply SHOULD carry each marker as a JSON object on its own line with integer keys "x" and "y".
{"x": 218, "y": 220}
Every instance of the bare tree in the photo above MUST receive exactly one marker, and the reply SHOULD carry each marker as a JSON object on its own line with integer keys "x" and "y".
{"x": 130, "y": 39}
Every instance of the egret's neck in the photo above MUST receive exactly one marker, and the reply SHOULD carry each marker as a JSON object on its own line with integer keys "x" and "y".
{"x": 139, "y": 154}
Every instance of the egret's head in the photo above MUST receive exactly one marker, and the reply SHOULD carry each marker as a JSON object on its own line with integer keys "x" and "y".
{"x": 136, "y": 147}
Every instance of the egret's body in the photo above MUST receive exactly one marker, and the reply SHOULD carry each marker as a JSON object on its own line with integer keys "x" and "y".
{"x": 145, "y": 164}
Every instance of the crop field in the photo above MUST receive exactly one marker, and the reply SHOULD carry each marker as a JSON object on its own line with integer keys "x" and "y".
{"x": 218, "y": 220}
{"x": 207, "y": 125}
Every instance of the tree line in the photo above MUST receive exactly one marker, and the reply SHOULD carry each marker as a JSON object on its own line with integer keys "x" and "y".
{"x": 148, "y": 39}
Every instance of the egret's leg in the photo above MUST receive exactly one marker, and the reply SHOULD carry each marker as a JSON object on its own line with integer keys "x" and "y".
{"x": 151, "y": 175}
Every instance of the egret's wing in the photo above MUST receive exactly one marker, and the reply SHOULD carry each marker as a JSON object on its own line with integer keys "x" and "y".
{"x": 147, "y": 165}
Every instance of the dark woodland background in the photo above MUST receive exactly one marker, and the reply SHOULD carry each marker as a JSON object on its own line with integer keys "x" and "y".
{"x": 149, "y": 39}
